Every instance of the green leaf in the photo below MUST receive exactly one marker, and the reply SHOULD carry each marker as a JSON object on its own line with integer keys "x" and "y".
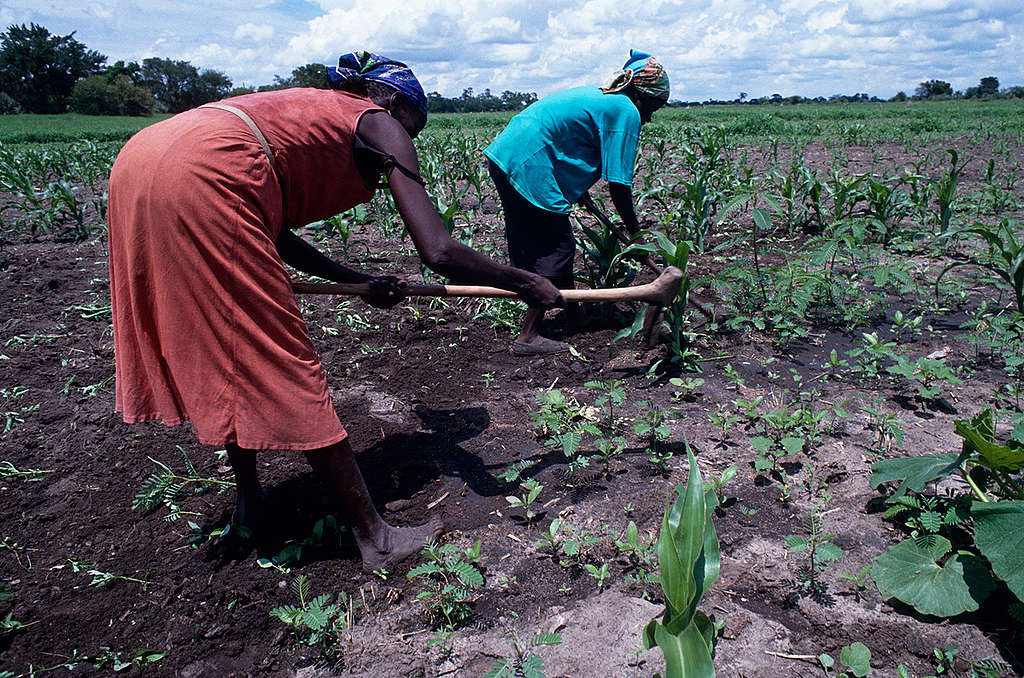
{"x": 632, "y": 534}
{"x": 502, "y": 668}
{"x": 931, "y": 521}
{"x": 828, "y": 553}
{"x": 761, "y": 444}
{"x": 857, "y": 658}
{"x": 686, "y": 655}
{"x": 546, "y": 639}
{"x": 533, "y": 666}
{"x": 913, "y": 574}
{"x": 796, "y": 544}
{"x": 992, "y": 454}
{"x": 468, "y": 574}
{"x": 999, "y": 534}
{"x": 913, "y": 472}
{"x": 793, "y": 445}
{"x": 570, "y": 443}
{"x": 680, "y": 544}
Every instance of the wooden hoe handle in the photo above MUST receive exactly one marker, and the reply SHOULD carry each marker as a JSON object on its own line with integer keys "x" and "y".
{"x": 660, "y": 291}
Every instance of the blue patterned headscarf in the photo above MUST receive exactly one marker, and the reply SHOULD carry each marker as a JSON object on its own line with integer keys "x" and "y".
{"x": 364, "y": 65}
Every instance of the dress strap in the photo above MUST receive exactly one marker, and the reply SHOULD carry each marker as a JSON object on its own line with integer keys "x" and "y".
{"x": 390, "y": 161}
{"x": 252, "y": 125}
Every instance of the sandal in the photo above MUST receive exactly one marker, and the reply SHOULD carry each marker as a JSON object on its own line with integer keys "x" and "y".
{"x": 542, "y": 347}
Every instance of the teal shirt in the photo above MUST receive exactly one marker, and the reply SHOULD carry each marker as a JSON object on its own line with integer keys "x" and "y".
{"x": 558, "y": 147}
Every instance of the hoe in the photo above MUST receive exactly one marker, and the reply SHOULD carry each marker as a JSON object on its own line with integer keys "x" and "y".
{"x": 659, "y": 292}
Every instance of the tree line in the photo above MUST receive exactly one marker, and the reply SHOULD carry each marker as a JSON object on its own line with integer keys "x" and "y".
{"x": 930, "y": 90}
{"x": 45, "y": 73}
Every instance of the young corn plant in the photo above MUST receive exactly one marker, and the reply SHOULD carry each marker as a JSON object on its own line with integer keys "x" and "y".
{"x": 689, "y": 561}
{"x": 1005, "y": 256}
{"x": 603, "y": 265}
{"x": 945, "y": 190}
{"x": 671, "y": 253}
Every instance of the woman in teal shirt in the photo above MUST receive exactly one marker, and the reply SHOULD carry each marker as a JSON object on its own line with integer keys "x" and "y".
{"x": 549, "y": 156}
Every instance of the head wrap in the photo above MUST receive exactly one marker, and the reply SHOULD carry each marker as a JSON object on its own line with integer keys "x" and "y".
{"x": 644, "y": 73}
{"x": 376, "y": 68}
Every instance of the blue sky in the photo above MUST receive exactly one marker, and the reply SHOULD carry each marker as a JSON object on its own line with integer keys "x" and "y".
{"x": 711, "y": 48}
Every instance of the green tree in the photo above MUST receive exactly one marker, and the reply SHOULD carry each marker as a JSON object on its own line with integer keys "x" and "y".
{"x": 131, "y": 69}
{"x": 39, "y": 69}
{"x": 310, "y": 75}
{"x": 988, "y": 86}
{"x": 933, "y": 88}
{"x": 8, "y": 106}
{"x": 240, "y": 90}
{"x": 100, "y": 95}
{"x": 179, "y": 86}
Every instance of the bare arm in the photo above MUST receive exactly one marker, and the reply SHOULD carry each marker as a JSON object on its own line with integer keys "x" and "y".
{"x": 436, "y": 247}
{"x": 622, "y": 198}
{"x": 302, "y": 256}
{"x": 385, "y": 291}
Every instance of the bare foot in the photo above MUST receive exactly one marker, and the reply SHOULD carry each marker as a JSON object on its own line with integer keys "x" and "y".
{"x": 397, "y": 544}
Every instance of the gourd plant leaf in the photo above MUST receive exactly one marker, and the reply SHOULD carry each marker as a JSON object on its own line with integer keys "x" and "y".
{"x": 912, "y": 573}
{"x": 978, "y": 437}
{"x": 999, "y": 534}
{"x": 912, "y": 472}
{"x": 857, "y": 658}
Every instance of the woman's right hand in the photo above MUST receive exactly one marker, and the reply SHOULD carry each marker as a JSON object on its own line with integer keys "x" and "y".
{"x": 540, "y": 292}
{"x": 386, "y": 291}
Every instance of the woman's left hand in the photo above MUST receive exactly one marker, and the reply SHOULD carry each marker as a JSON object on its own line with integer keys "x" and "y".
{"x": 386, "y": 291}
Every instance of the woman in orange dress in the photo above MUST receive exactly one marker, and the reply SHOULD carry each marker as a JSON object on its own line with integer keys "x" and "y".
{"x": 206, "y": 326}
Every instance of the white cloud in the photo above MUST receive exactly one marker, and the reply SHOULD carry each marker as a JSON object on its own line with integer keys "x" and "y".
{"x": 711, "y": 48}
{"x": 254, "y": 32}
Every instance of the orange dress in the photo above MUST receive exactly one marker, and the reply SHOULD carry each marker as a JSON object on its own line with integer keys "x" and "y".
{"x": 206, "y": 327}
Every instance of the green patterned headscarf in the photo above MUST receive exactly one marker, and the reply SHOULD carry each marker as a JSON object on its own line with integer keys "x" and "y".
{"x": 644, "y": 73}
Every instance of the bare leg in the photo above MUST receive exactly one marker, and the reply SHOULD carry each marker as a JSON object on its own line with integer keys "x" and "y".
{"x": 249, "y": 502}
{"x": 530, "y": 332}
{"x": 380, "y": 544}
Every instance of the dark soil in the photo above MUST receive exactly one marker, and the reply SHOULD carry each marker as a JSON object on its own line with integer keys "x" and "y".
{"x": 437, "y": 406}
